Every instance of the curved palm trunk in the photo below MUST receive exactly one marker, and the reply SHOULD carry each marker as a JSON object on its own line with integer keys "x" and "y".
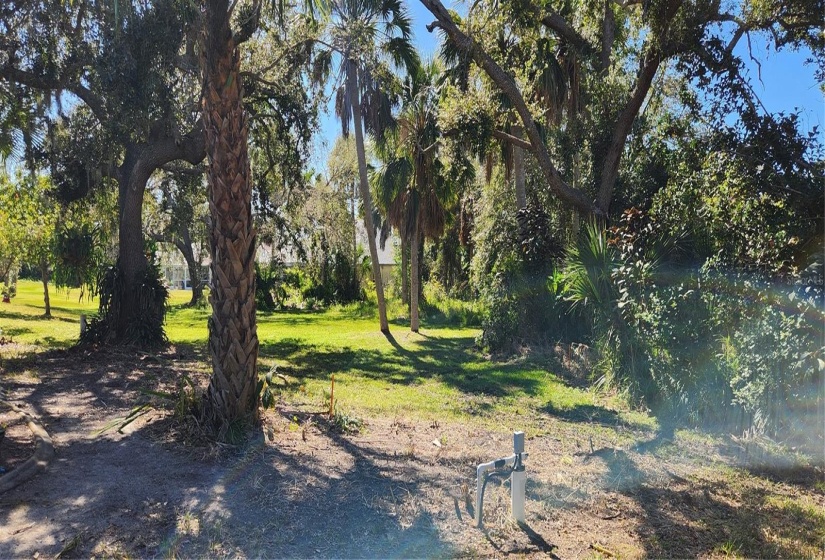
{"x": 366, "y": 199}
{"x": 231, "y": 399}
{"x": 415, "y": 277}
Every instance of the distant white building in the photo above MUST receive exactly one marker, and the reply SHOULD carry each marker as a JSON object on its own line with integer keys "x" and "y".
{"x": 176, "y": 272}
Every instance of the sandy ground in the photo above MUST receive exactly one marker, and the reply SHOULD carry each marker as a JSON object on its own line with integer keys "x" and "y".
{"x": 397, "y": 488}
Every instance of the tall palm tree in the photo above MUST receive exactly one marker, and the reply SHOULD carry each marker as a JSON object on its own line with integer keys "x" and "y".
{"x": 413, "y": 184}
{"x": 367, "y": 38}
{"x": 231, "y": 399}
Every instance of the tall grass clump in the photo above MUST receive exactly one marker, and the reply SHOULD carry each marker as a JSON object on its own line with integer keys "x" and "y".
{"x": 441, "y": 308}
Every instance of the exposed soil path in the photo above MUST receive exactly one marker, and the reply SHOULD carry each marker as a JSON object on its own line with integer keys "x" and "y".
{"x": 399, "y": 488}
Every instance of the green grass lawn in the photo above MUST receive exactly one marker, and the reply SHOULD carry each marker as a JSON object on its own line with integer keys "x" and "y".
{"x": 437, "y": 374}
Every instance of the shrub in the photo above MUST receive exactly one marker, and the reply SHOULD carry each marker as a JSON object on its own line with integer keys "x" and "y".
{"x": 334, "y": 279}
{"x": 270, "y": 286}
{"x": 729, "y": 350}
{"x": 524, "y": 301}
{"x": 145, "y": 327}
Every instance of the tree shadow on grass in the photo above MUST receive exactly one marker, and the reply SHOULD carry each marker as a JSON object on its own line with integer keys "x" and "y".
{"x": 450, "y": 360}
{"x": 591, "y": 414}
{"x": 693, "y": 520}
{"x": 16, "y": 331}
{"x": 54, "y": 343}
{"x": 711, "y": 514}
{"x": 23, "y": 316}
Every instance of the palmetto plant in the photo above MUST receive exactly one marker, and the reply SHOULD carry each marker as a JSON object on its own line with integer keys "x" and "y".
{"x": 362, "y": 42}
{"x": 591, "y": 285}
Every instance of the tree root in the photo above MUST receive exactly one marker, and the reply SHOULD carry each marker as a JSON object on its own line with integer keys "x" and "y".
{"x": 43, "y": 453}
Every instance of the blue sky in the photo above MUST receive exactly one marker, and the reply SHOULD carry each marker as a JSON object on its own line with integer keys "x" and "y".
{"x": 787, "y": 83}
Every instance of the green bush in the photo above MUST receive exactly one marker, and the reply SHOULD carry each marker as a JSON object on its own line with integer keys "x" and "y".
{"x": 775, "y": 360}
{"x": 727, "y": 350}
{"x": 270, "y": 286}
{"x": 145, "y": 327}
{"x": 334, "y": 279}
{"x": 524, "y": 299}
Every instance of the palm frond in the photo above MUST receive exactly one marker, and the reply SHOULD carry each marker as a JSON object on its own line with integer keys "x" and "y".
{"x": 321, "y": 67}
{"x": 391, "y": 182}
{"x": 342, "y": 106}
{"x": 550, "y": 79}
{"x": 396, "y": 18}
{"x": 403, "y": 54}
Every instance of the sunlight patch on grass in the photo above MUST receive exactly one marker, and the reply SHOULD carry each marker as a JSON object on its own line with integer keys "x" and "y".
{"x": 23, "y": 319}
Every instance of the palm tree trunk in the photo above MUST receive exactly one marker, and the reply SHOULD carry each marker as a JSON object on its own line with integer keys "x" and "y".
{"x": 415, "y": 277}
{"x": 405, "y": 270}
{"x": 355, "y": 266}
{"x": 231, "y": 399}
{"x": 44, "y": 277}
{"x": 366, "y": 199}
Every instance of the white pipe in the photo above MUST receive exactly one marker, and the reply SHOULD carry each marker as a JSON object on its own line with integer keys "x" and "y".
{"x": 518, "y": 479}
{"x": 480, "y": 470}
{"x": 496, "y": 465}
{"x": 518, "y": 483}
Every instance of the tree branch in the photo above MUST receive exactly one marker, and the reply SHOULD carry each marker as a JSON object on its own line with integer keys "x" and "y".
{"x": 741, "y": 29}
{"x": 608, "y": 36}
{"x": 564, "y": 30}
{"x": 179, "y": 170}
{"x": 166, "y": 149}
{"x": 26, "y": 78}
{"x": 516, "y": 141}
{"x": 610, "y": 169}
{"x": 508, "y": 86}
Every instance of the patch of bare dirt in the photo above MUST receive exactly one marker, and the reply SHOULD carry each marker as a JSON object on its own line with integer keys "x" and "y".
{"x": 398, "y": 488}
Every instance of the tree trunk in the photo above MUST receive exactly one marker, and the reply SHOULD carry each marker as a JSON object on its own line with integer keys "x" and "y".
{"x": 231, "y": 400}
{"x": 44, "y": 277}
{"x": 355, "y": 266}
{"x": 366, "y": 198}
{"x": 518, "y": 171}
{"x": 184, "y": 244}
{"x": 140, "y": 162}
{"x": 405, "y": 270}
{"x": 131, "y": 259}
{"x": 415, "y": 277}
{"x": 610, "y": 167}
